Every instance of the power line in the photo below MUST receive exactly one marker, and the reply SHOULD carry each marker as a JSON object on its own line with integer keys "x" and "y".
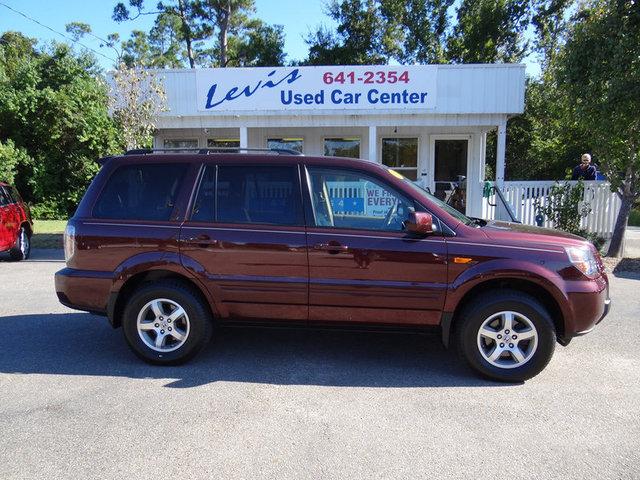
{"x": 57, "y": 32}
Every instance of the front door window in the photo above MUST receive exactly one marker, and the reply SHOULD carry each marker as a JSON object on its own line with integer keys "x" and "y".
{"x": 342, "y": 199}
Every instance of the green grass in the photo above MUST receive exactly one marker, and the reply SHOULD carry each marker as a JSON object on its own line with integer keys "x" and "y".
{"x": 634, "y": 218}
{"x": 49, "y": 226}
{"x": 48, "y": 233}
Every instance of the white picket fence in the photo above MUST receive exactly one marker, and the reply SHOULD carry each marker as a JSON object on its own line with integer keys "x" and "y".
{"x": 599, "y": 207}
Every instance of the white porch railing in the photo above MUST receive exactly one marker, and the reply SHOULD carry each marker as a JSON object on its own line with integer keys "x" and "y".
{"x": 599, "y": 208}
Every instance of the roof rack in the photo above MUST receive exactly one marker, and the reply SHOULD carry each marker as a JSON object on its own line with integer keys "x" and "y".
{"x": 210, "y": 150}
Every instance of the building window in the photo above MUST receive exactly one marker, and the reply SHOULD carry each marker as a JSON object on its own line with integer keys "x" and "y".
{"x": 342, "y": 147}
{"x": 401, "y": 154}
{"x": 178, "y": 143}
{"x": 223, "y": 143}
{"x": 296, "y": 144}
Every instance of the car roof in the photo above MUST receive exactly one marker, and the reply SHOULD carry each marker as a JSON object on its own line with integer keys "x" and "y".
{"x": 242, "y": 158}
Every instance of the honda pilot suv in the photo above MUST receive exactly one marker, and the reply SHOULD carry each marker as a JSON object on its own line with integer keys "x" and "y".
{"x": 169, "y": 245}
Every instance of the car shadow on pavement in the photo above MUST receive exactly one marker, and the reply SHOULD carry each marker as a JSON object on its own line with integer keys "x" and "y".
{"x": 83, "y": 344}
{"x": 38, "y": 255}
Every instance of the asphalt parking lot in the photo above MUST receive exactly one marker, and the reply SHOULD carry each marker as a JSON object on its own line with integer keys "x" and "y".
{"x": 75, "y": 403}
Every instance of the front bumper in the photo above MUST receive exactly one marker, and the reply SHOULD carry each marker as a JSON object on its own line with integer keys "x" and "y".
{"x": 589, "y": 307}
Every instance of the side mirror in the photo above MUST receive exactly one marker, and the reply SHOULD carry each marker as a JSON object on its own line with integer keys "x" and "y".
{"x": 420, "y": 223}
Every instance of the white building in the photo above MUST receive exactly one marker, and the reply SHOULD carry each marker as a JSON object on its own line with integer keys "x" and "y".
{"x": 428, "y": 122}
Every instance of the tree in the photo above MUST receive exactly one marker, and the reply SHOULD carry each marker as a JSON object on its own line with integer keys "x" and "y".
{"x": 54, "y": 122}
{"x": 489, "y": 31}
{"x": 261, "y": 45}
{"x": 182, "y": 31}
{"x": 600, "y": 71}
{"x": 223, "y": 18}
{"x": 137, "y": 98}
{"x": 185, "y": 30}
{"x": 11, "y": 159}
{"x": 550, "y": 24}
{"x": 359, "y": 39}
{"x": 415, "y": 30}
{"x": 54, "y": 117}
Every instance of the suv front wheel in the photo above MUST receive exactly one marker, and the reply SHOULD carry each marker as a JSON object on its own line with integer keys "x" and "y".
{"x": 166, "y": 323}
{"x": 506, "y": 336}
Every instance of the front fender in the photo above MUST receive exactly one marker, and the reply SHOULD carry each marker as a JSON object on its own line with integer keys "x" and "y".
{"x": 505, "y": 269}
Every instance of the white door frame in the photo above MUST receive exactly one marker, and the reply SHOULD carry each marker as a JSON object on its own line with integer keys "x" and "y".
{"x": 431, "y": 175}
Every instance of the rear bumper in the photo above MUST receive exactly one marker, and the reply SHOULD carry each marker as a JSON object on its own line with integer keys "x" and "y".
{"x": 83, "y": 289}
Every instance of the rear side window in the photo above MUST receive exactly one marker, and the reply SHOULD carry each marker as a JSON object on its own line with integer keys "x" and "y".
{"x": 4, "y": 198}
{"x": 13, "y": 193}
{"x": 140, "y": 192}
{"x": 250, "y": 194}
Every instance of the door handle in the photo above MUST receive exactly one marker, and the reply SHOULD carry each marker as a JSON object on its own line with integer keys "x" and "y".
{"x": 331, "y": 247}
{"x": 200, "y": 238}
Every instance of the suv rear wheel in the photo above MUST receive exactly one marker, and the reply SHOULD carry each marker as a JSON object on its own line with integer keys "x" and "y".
{"x": 506, "y": 336}
{"x": 166, "y": 323}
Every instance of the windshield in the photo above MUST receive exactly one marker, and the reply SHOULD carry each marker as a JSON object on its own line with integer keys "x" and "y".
{"x": 447, "y": 208}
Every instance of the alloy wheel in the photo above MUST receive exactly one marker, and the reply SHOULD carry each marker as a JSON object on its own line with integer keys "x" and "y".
{"x": 507, "y": 339}
{"x": 163, "y": 325}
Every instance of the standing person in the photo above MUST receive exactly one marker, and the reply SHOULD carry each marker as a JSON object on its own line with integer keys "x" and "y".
{"x": 584, "y": 170}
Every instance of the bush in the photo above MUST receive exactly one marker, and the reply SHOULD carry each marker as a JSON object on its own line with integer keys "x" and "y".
{"x": 49, "y": 209}
{"x": 562, "y": 207}
{"x": 634, "y": 218}
{"x": 11, "y": 158}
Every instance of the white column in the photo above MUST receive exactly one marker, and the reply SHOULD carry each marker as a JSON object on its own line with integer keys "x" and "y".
{"x": 244, "y": 137}
{"x": 474, "y": 188}
{"x": 483, "y": 156}
{"x": 373, "y": 143}
{"x": 500, "y": 152}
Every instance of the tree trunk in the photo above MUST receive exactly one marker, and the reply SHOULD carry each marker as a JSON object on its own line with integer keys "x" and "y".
{"x": 186, "y": 31}
{"x": 615, "y": 247}
{"x": 223, "y": 25}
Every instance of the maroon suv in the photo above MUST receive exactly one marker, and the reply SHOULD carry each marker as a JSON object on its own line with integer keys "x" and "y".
{"x": 168, "y": 245}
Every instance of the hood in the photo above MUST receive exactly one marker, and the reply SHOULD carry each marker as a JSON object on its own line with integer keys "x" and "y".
{"x": 519, "y": 233}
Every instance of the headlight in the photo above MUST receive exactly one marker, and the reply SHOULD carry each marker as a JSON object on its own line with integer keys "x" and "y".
{"x": 69, "y": 242}
{"x": 583, "y": 259}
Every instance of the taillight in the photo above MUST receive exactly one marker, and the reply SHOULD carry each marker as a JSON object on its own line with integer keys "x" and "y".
{"x": 69, "y": 242}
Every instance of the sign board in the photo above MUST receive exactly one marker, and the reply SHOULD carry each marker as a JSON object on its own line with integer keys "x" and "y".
{"x": 360, "y": 198}
{"x": 374, "y": 87}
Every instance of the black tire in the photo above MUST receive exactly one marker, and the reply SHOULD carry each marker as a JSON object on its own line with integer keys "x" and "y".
{"x": 22, "y": 248}
{"x": 198, "y": 314}
{"x": 486, "y": 305}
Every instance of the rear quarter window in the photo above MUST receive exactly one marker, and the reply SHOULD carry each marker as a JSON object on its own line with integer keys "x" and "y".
{"x": 5, "y": 199}
{"x": 140, "y": 192}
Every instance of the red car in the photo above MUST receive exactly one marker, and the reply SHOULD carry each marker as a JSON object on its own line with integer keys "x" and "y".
{"x": 16, "y": 225}
{"x": 169, "y": 245}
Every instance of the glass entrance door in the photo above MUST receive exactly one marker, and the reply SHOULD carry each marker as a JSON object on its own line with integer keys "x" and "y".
{"x": 450, "y": 167}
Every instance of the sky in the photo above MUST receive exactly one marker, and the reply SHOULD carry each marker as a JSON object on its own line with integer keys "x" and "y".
{"x": 298, "y": 17}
